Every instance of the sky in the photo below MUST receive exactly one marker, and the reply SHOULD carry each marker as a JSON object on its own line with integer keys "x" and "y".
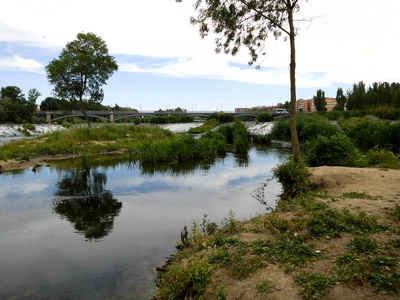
{"x": 164, "y": 63}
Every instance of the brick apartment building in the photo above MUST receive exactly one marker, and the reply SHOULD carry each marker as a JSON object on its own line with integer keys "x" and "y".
{"x": 308, "y": 105}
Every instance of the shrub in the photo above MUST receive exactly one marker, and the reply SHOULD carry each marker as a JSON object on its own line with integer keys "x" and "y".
{"x": 314, "y": 284}
{"x": 294, "y": 178}
{"x": 308, "y": 127}
{"x": 369, "y": 132}
{"x": 225, "y": 118}
{"x": 265, "y": 117}
{"x": 336, "y": 150}
{"x": 180, "y": 280}
{"x": 383, "y": 158}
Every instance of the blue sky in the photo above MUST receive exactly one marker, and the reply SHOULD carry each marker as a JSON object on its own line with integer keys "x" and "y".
{"x": 163, "y": 62}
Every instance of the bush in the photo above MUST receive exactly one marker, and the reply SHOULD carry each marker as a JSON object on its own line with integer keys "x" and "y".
{"x": 225, "y": 118}
{"x": 241, "y": 139}
{"x": 308, "y": 127}
{"x": 383, "y": 158}
{"x": 208, "y": 125}
{"x": 294, "y": 178}
{"x": 369, "y": 132}
{"x": 265, "y": 117}
{"x": 336, "y": 150}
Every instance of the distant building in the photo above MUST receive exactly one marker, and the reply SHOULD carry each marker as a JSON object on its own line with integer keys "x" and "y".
{"x": 308, "y": 105}
{"x": 241, "y": 109}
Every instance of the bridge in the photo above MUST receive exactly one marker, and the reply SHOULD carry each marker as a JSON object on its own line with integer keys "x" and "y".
{"x": 114, "y": 116}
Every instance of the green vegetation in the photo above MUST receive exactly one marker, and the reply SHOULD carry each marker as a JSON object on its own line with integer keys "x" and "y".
{"x": 206, "y": 126}
{"x": 335, "y": 150}
{"x": 369, "y": 132}
{"x": 308, "y": 127}
{"x": 265, "y": 287}
{"x": 138, "y": 144}
{"x": 319, "y": 101}
{"x": 384, "y": 113}
{"x": 264, "y": 117}
{"x": 293, "y": 177}
{"x": 184, "y": 280}
{"x": 167, "y": 119}
{"x": 290, "y": 243}
{"x": 314, "y": 284}
{"x": 81, "y": 69}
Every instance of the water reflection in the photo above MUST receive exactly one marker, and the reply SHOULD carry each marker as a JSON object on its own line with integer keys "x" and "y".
{"x": 83, "y": 200}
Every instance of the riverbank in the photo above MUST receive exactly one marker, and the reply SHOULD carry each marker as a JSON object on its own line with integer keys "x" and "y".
{"x": 342, "y": 242}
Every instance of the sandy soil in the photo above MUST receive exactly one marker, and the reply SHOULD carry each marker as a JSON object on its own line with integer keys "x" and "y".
{"x": 382, "y": 189}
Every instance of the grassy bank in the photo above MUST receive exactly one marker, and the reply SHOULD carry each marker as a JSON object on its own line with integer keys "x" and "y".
{"x": 137, "y": 143}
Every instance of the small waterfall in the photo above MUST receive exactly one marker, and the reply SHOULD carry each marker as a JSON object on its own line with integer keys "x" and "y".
{"x": 180, "y": 127}
{"x": 259, "y": 128}
{"x": 17, "y": 130}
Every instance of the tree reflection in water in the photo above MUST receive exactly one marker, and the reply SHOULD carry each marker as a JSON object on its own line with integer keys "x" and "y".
{"x": 83, "y": 201}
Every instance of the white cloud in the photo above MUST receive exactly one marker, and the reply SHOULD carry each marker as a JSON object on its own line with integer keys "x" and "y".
{"x": 347, "y": 41}
{"x": 16, "y": 62}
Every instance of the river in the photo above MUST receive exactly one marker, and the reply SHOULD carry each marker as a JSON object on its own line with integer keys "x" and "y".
{"x": 67, "y": 233}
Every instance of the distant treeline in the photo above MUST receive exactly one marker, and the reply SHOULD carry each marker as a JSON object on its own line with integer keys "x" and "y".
{"x": 377, "y": 95}
{"x": 15, "y": 107}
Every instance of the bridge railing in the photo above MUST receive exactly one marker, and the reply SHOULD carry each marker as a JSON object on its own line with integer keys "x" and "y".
{"x": 109, "y": 115}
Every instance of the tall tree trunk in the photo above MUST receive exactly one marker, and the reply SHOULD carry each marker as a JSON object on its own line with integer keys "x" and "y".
{"x": 84, "y": 113}
{"x": 293, "y": 130}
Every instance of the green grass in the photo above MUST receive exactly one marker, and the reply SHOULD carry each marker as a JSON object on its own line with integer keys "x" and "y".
{"x": 181, "y": 280}
{"x": 314, "y": 284}
{"x": 78, "y": 139}
{"x": 362, "y": 245}
{"x": 332, "y": 222}
{"x": 207, "y": 125}
{"x": 396, "y": 212}
{"x": 140, "y": 144}
{"x": 355, "y": 195}
{"x": 265, "y": 287}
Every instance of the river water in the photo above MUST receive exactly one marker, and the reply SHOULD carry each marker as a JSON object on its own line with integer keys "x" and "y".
{"x": 67, "y": 233}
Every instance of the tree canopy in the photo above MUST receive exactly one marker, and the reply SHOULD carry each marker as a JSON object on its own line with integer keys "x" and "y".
{"x": 249, "y": 23}
{"x": 81, "y": 69}
{"x": 14, "y": 107}
{"x": 340, "y": 100}
{"x": 320, "y": 101}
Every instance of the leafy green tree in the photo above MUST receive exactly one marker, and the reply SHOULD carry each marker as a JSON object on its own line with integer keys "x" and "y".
{"x": 14, "y": 93}
{"x": 51, "y": 103}
{"x": 81, "y": 69}
{"x": 33, "y": 95}
{"x": 356, "y": 97}
{"x": 248, "y": 23}
{"x": 319, "y": 101}
{"x": 14, "y": 112}
{"x": 340, "y": 100}
{"x": 14, "y": 108}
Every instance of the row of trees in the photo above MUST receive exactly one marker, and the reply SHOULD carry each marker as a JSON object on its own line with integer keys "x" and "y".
{"x": 377, "y": 95}
{"x": 15, "y": 107}
{"x": 362, "y": 98}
